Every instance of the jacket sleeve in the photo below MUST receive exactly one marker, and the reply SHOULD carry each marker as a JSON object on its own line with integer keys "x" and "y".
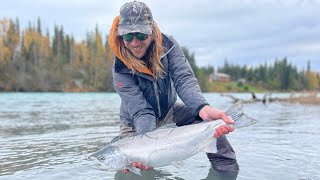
{"x": 184, "y": 80}
{"x": 135, "y": 103}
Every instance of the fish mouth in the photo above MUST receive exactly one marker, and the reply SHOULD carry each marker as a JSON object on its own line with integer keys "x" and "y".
{"x": 99, "y": 167}
{"x": 89, "y": 158}
{"x": 93, "y": 161}
{"x": 96, "y": 164}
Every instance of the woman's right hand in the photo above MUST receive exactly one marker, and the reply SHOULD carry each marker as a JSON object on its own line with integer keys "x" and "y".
{"x": 137, "y": 165}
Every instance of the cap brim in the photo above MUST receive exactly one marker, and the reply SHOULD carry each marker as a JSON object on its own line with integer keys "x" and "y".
{"x": 125, "y": 29}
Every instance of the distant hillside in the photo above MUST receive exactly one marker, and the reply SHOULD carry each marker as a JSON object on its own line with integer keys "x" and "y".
{"x": 33, "y": 60}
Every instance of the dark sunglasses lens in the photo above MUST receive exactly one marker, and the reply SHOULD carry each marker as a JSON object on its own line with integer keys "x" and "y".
{"x": 128, "y": 37}
{"x": 141, "y": 36}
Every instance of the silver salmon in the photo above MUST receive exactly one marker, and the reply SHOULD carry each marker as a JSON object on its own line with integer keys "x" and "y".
{"x": 166, "y": 145}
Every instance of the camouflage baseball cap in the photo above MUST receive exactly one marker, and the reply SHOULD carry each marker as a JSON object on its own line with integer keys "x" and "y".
{"x": 135, "y": 17}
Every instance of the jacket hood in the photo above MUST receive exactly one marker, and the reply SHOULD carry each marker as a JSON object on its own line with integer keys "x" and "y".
{"x": 115, "y": 46}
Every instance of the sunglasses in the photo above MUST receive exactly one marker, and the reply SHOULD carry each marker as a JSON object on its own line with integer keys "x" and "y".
{"x": 140, "y": 36}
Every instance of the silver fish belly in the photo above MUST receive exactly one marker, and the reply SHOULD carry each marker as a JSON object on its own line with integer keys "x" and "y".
{"x": 168, "y": 144}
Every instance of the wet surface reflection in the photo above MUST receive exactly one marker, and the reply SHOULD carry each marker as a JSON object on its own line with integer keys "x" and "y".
{"x": 48, "y": 135}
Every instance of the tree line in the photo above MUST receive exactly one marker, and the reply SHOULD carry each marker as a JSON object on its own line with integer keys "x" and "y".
{"x": 33, "y": 60}
{"x": 281, "y": 75}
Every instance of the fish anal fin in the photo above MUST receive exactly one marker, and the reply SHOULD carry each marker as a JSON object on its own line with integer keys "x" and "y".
{"x": 212, "y": 146}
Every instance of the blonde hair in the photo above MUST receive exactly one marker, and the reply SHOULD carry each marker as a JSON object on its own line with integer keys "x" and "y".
{"x": 153, "y": 56}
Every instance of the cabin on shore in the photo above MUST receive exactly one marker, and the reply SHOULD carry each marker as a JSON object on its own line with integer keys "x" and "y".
{"x": 221, "y": 77}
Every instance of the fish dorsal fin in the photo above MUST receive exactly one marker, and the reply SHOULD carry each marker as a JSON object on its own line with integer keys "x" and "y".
{"x": 134, "y": 170}
{"x": 171, "y": 125}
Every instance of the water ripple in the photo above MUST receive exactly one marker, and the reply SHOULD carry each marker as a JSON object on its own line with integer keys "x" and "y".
{"x": 47, "y": 136}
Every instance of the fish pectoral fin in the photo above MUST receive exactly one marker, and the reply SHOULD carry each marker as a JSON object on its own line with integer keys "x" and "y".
{"x": 170, "y": 125}
{"x": 212, "y": 146}
{"x": 134, "y": 170}
{"x": 178, "y": 164}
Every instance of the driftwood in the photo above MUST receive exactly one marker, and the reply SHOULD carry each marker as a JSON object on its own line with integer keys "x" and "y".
{"x": 308, "y": 98}
{"x": 252, "y": 100}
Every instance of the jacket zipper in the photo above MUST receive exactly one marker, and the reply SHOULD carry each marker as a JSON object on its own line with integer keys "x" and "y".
{"x": 155, "y": 88}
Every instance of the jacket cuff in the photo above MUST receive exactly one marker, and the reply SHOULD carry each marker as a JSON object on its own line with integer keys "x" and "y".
{"x": 143, "y": 125}
{"x": 196, "y": 113}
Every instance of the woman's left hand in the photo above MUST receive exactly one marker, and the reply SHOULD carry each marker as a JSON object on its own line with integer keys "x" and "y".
{"x": 211, "y": 114}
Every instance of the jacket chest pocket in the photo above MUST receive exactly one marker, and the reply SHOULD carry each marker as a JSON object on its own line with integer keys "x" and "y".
{"x": 146, "y": 87}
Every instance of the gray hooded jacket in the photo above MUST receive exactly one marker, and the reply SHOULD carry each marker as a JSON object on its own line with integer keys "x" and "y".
{"x": 145, "y": 101}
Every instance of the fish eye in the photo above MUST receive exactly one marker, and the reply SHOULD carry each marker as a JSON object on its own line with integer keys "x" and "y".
{"x": 101, "y": 158}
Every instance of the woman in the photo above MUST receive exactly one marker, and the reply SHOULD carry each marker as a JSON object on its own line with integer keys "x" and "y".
{"x": 150, "y": 69}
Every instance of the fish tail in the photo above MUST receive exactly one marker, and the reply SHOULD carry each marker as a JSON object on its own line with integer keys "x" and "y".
{"x": 236, "y": 114}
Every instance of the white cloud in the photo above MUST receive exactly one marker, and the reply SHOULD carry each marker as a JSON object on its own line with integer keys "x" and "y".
{"x": 244, "y": 31}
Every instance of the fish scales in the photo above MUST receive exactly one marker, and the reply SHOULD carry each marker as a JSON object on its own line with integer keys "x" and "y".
{"x": 166, "y": 145}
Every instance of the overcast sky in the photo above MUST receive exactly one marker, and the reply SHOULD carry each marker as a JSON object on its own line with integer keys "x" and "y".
{"x": 248, "y": 32}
